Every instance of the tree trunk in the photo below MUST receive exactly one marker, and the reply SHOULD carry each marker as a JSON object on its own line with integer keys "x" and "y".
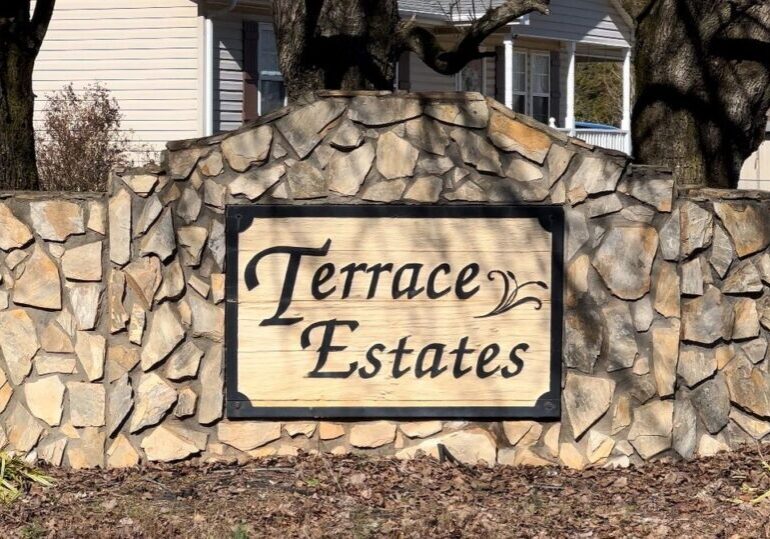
{"x": 702, "y": 79}
{"x": 354, "y": 44}
{"x": 337, "y": 45}
{"x": 18, "y": 169}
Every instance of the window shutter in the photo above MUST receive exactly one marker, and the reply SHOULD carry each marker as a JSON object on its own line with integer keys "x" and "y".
{"x": 250, "y": 70}
{"x": 500, "y": 74}
{"x": 404, "y": 67}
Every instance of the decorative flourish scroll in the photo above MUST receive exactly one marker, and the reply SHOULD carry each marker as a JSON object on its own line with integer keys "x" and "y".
{"x": 511, "y": 289}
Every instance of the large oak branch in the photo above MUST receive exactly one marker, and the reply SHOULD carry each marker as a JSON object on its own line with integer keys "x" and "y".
{"x": 448, "y": 61}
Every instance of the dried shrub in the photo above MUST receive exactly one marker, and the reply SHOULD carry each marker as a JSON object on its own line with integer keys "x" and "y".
{"x": 80, "y": 140}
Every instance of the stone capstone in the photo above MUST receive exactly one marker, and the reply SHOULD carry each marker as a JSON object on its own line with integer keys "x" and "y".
{"x": 472, "y": 111}
{"x": 374, "y": 110}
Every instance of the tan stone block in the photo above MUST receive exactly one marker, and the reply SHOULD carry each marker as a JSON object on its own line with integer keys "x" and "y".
{"x": 121, "y": 454}
{"x": 330, "y": 431}
{"x": 45, "y": 398}
{"x": 246, "y": 436}
{"x": 372, "y": 434}
{"x": 420, "y": 429}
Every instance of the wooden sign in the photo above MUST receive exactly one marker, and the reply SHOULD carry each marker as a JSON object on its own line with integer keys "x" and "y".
{"x": 393, "y": 311}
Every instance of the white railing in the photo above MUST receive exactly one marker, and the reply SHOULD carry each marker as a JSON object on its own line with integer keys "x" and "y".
{"x": 613, "y": 139}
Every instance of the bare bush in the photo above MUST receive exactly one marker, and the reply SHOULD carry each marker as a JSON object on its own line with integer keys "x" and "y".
{"x": 80, "y": 139}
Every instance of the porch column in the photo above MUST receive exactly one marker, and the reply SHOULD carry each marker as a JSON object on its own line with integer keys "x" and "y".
{"x": 625, "y": 123}
{"x": 508, "y": 80}
{"x": 569, "y": 119}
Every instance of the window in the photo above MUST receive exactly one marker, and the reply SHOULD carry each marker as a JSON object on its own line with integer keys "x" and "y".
{"x": 541, "y": 86}
{"x": 270, "y": 87}
{"x": 532, "y": 84}
{"x": 471, "y": 78}
{"x": 520, "y": 82}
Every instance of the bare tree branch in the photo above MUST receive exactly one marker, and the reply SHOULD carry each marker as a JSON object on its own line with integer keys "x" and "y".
{"x": 426, "y": 46}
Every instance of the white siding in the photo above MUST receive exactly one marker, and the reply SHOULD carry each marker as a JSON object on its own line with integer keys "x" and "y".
{"x": 424, "y": 79}
{"x": 228, "y": 73}
{"x": 755, "y": 173}
{"x": 584, "y": 21}
{"x": 144, "y": 51}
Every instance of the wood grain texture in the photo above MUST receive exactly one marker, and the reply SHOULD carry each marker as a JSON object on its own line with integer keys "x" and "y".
{"x": 275, "y": 370}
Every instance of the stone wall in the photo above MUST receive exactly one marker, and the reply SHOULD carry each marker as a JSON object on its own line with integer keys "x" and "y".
{"x": 112, "y": 315}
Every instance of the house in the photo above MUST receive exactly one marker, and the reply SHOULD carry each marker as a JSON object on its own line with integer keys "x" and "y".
{"x": 755, "y": 173}
{"x": 182, "y": 69}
